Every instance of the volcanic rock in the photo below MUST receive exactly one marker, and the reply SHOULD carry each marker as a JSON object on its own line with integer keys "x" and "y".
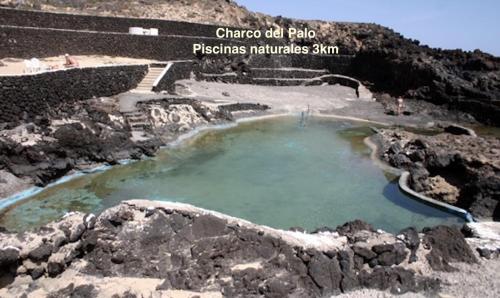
{"x": 447, "y": 245}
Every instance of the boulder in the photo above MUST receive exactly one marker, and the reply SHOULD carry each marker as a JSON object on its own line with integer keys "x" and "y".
{"x": 41, "y": 253}
{"x": 37, "y": 272}
{"x": 89, "y": 221}
{"x": 440, "y": 189}
{"x": 55, "y": 266}
{"x": 390, "y": 254}
{"x": 326, "y": 273}
{"x": 77, "y": 232}
{"x": 364, "y": 252}
{"x": 459, "y": 130}
{"x": 8, "y": 256}
{"x": 412, "y": 241}
{"x": 447, "y": 245}
{"x": 352, "y": 227}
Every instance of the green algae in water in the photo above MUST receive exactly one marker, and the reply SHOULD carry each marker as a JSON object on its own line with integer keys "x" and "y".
{"x": 271, "y": 172}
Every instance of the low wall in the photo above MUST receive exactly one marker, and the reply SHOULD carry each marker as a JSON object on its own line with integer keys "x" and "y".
{"x": 22, "y": 42}
{"x": 27, "y": 18}
{"x": 33, "y": 95}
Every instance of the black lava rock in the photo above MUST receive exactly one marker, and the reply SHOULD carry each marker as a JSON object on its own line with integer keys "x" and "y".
{"x": 41, "y": 253}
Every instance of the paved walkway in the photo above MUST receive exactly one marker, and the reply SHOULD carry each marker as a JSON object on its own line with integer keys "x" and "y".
{"x": 129, "y": 100}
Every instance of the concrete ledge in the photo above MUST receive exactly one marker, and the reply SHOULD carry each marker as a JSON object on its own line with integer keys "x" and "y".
{"x": 404, "y": 177}
{"x": 403, "y": 185}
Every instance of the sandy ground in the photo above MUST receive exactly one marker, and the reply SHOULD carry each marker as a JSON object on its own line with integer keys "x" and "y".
{"x": 16, "y": 66}
{"x": 326, "y": 100}
{"x": 292, "y": 99}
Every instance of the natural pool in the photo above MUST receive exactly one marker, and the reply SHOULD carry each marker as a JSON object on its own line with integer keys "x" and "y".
{"x": 273, "y": 172}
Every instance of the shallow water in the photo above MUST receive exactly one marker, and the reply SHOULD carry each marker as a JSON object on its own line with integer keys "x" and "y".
{"x": 271, "y": 172}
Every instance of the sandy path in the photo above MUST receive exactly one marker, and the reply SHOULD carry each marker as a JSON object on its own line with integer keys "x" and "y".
{"x": 326, "y": 100}
{"x": 282, "y": 99}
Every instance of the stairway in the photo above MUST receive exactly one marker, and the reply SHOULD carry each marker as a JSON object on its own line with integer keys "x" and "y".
{"x": 147, "y": 84}
{"x": 137, "y": 121}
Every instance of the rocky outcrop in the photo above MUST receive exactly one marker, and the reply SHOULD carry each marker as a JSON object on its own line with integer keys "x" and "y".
{"x": 51, "y": 147}
{"x": 447, "y": 245}
{"x": 439, "y": 189}
{"x": 88, "y": 133}
{"x": 179, "y": 247}
{"x": 466, "y": 81}
{"x": 458, "y": 169}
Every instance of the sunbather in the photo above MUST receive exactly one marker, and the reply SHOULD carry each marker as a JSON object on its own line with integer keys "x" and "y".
{"x": 70, "y": 61}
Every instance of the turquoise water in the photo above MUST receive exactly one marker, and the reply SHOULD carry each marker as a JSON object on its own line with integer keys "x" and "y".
{"x": 271, "y": 172}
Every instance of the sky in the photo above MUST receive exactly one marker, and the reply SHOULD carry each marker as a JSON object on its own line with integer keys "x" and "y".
{"x": 447, "y": 24}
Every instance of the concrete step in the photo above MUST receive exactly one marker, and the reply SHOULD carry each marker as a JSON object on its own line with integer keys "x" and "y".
{"x": 139, "y": 126}
{"x": 137, "y": 119}
{"x": 133, "y": 114}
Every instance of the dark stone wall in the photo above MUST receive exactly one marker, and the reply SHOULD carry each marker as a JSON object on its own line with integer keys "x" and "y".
{"x": 31, "y": 42}
{"x": 34, "y": 95}
{"x": 178, "y": 71}
{"x": 26, "y": 18}
{"x": 487, "y": 111}
{"x": 336, "y": 64}
{"x": 270, "y": 61}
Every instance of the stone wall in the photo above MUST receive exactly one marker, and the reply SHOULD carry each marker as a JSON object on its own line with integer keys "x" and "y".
{"x": 27, "y": 96}
{"x": 336, "y": 64}
{"x": 26, "y": 18}
{"x": 26, "y": 43}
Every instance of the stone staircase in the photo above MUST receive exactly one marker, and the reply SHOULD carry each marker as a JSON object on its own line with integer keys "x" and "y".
{"x": 137, "y": 121}
{"x": 147, "y": 84}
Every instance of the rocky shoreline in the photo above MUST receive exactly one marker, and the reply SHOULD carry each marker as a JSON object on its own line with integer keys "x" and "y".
{"x": 172, "y": 248}
{"x": 92, "y": 133}
{"x": 455, "y": 166}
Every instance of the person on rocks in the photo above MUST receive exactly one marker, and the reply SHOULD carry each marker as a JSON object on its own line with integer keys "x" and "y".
{"x": 70, "y": 61}
{"x": 399, "y": 105}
